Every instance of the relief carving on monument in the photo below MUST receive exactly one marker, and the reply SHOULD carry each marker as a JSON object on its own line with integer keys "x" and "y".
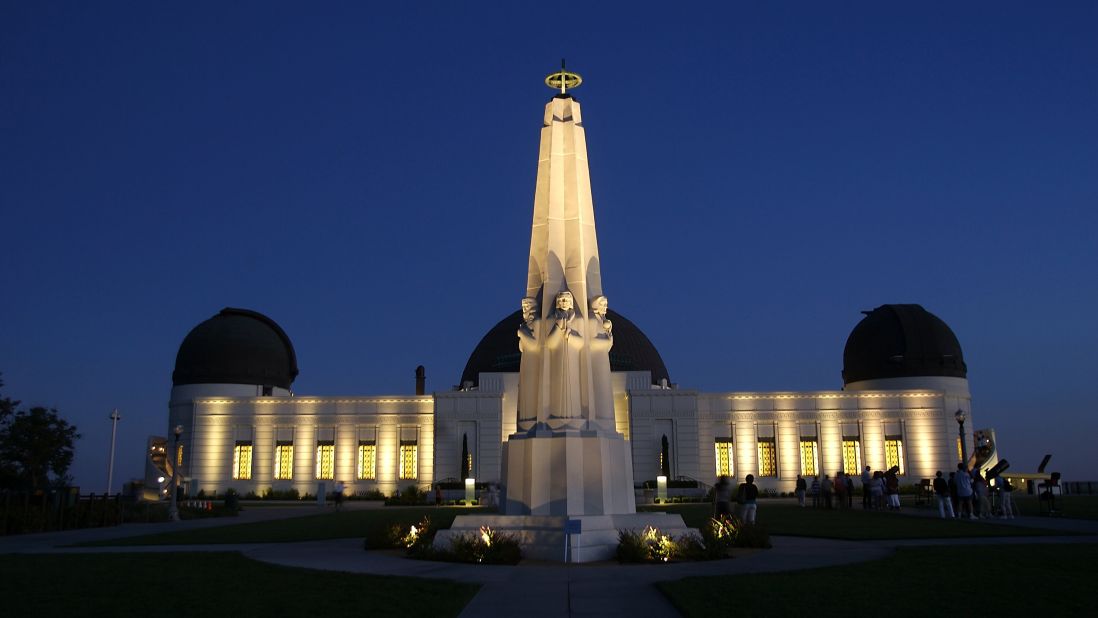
{"x": 529, "y": 364}
{"x": 601, "y": 339}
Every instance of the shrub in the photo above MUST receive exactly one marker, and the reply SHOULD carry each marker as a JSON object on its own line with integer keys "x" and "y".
{"x": 752, "y": 535}
{"x": 650, "y": 545}
{"x": 411, "y": 495}
{"x": 373, "y": 494}
{"x": 281, "y": 494}
{"x": 484, "y": 547}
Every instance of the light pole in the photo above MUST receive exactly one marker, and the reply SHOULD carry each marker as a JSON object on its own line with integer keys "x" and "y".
{"x": 173, "y": 510}
{"x": 115, "y": 417}
{"x": 960, "y": 416}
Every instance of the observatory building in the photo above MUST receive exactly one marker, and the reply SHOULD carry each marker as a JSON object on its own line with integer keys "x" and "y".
{"x": 567, "y": 368}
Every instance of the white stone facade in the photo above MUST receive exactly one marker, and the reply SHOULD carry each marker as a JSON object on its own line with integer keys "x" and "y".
{"x": 922, "y": 418}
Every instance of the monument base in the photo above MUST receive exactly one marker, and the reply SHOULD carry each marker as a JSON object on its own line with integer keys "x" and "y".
{"x": 567, "y": 471}
{"x": 543, "y": 537}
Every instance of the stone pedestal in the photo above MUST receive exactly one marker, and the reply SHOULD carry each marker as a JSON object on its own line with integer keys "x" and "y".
{"x": 543, "y": 538}
{"x": 568, "y": 472}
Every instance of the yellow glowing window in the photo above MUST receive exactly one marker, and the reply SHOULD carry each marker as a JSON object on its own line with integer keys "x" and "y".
{"x": 409, "y": 460}
{"x": 809, "y": 459}
{"x": 284, "y": 461}
{"x": 242, "y": 461}
{"x": 894, "y": 453}
{"x": 852, "y": 456}
{"x": 325, "y": 460}
{"x": 724, "y": 457}
{"x": 179, "y": 455}
{"x": 768, "y": 458}
{"x": 960, "y": 455}
{"x": 367, "y": 460}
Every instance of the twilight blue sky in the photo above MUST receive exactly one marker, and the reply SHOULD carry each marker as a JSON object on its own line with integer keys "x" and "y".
{"x": 364, "y": 175}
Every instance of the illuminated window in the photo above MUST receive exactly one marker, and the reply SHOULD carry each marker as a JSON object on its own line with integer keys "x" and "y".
{"x": 768, "y": 457}
{"x": 894, "y": 453}
{"x": 724, "y": 456}
{"x": 809, "y": 458}
{"x": 367, "y": 460}
{"x": 852, "y": 456}
{"x": 325, "y": 460}
{"x": 242, "y": 460}
{"x": 284, "y": 460}
{"x": 179, "y": 455}
{"x": 409, "y": 460}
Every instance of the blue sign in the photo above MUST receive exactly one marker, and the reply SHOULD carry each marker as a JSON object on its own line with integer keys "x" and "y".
{"x": 573, "y": 526}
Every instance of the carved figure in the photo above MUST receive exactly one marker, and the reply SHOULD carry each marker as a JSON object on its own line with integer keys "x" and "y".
{"x": 565, "y": 344}
{"x": 601, "y": 340}
{"x": 530, "y": 361}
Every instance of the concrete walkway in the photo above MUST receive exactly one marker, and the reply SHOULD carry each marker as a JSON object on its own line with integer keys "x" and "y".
{"x": 542, "y": 589}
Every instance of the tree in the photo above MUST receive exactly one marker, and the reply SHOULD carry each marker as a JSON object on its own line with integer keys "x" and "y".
{"x": 36, "y": 446}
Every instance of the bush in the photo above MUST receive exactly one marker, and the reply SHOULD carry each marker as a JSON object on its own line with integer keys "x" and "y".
{"x": 484, "y": 547}
{"x": 281, "y": 494}
{"x": 650, "y": 545}
{"x": 373, "y": 494}
{"x": 752, "y": 535}
{"x": 411, "y": 495}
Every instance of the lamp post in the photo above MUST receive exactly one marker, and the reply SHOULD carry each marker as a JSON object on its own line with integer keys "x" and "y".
{"x": 115, "y": 417}
{"x": 173, "y": 510}
{"x": 960, "y": 416}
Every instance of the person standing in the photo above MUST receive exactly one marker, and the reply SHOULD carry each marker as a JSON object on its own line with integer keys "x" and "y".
{"x": 867, "y": 478}
{"x": 801, "y": 488}
{"x": 840, "y": 491}
{"x": 892, "y": 488}
{"x": 849, "y": 491}
{"x": 815, "y": 492}
{"x": 825, "y": 489}
{"x": 941, "y": 490}
{"x": 722, "y": 497}
{"x": 979, "y": 490}
{"x": 1006, "y": 499}
{"x": 339, "y": 487}
{"x": 748, "y": 495}
{"x": 964, "y": 492}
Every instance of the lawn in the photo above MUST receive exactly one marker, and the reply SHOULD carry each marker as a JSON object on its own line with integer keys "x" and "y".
{"x": 211, "y": 584}
{"x": 1075, "y": 507}
{"x": 372, "y": 524}
{"x": 783, "y": 518}
{"x": 1007, "y": 580}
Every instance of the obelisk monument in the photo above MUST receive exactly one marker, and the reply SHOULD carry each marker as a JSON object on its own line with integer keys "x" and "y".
{"x": 567, "y": 473}
{"x": 566, "y": 457}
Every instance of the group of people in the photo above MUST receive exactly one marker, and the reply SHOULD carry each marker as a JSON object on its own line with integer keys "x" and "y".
{"x": 747, "y": 497}
{"x": 967, "y": 494}
{"x": 880, "y": 490}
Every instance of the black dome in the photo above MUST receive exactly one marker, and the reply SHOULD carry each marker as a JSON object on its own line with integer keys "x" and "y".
{"x": 498, "y": 351}
{"x": 236, "y": 346}
{"x": 899, "y": 341}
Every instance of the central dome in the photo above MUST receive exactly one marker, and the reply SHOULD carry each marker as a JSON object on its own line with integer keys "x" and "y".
{"x": 498, "y": 350}
{"x": 898, "y": 341}
{"x": 236, "y": 346}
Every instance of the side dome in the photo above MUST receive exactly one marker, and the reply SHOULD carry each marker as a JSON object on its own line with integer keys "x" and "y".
{"x": 900, "y": 341}
{"x": 236, "y": 346}
{"x": 498, "y": 350}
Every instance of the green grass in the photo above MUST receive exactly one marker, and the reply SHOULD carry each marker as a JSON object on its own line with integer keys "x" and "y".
{"x": 856, "y": 524}
{"x": 1009, "y": 580}
{"x": 370, "y": 524}
{"x": 1074, "y": 507}
{"x": 211, "y": 584}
